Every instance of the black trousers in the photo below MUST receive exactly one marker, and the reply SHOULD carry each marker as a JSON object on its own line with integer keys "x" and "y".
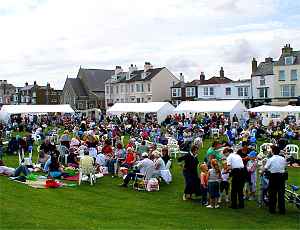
{"x": 276, "y": 192}
{"x": 237, "y": 185}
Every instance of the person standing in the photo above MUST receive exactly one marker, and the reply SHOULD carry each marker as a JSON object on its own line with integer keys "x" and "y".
{"x": 276, "y": 165}
{"x": 235, "y": 164}
{"x": 190, "y": 173}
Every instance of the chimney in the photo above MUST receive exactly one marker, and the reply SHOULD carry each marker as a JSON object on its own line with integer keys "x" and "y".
{"x": 118, "y": 70}
{"x": 202, "y": 77}
{"x": 254, "y": 65}
{"x": 34, "y": 82}
{"x": 5, "y": 81}
{"x": 287, "y": 50}
{"x": 132, "y": 68}
{"x": 268, "y": 60}
{"x": 147, "y": 66}
{"x": 48, "y": 85}
{"x": 26, "y": 83}
{"x": 221, "y": 72}
{"x": 181, "y": 77}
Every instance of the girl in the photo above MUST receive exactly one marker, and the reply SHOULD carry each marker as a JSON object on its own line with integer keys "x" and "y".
{"x": 224, "y": 186}
{"x": 204, "y": 182}
{"x": 251, "y": 168}
{"x": 214, "y": 175}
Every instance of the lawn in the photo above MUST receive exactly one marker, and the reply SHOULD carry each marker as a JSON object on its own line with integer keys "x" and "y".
{"x": 107, "y": 206}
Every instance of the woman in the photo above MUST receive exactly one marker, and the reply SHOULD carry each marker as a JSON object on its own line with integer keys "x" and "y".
{"x": 159, "y": 164}
{"x": 55, "y": 169}
{"x": 165, "y": 155}
{"x": 192, "y": 183}
{"x": 130, "y": 158}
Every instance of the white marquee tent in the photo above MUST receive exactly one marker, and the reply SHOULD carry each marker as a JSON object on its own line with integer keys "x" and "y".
{"x": 279, "y": 109}
{"x": 162, "y": 109}
{"x": 221, "y": 106}
{"x": 25, "y": 109}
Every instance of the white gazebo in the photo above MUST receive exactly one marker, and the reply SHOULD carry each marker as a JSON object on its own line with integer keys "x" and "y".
{"x": 221, "y": 106}
{"x": 34, "y": 109}
{"x": 162, "y": 109}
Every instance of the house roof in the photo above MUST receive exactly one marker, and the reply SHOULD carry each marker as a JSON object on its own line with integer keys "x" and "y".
{"x": 215, "y": 80}
{"x": 295, "y": 54}
{"x": 77, "y": 86}
{"x": 27, "y": 87}
{"x": 137, "y": 75}
{"x": 264, "y": 68}
{"x": 94, "y": 79}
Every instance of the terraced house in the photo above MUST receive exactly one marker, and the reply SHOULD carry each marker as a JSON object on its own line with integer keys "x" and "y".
{"x": 138, "y": 86}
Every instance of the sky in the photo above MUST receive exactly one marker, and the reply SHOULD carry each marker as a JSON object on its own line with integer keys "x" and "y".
{"x": 48, "y": 40}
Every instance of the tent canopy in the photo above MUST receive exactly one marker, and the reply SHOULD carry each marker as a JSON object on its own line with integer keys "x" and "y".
{"x": 161, "y": 108}
{"x": 231, "y": 106}
{"x": 270, "y": 109}
{"x": 23, "y": 109}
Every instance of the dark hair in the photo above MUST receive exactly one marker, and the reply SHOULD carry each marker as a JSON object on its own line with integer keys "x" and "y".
{"x": 244, "y": 143}
{"x": 214, "y": 144}
{"x": 194, "y": 148}
{"x": 275, "y": 149}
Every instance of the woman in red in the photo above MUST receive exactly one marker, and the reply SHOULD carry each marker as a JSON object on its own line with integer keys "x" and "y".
{"x": 130, "y": 158}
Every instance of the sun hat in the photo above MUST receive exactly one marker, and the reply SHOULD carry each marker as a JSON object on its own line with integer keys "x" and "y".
{"x": 252, "y": 154}
{"x": 144, "y": 154}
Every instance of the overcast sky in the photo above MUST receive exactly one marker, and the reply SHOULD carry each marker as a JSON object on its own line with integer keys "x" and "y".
{"x": 46, "y": 40}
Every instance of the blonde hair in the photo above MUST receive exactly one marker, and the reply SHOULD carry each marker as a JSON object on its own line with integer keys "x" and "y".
{"x": 203, "y": 167}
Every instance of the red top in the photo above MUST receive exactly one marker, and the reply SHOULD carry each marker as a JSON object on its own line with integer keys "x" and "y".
{"x": 129, "y": 158}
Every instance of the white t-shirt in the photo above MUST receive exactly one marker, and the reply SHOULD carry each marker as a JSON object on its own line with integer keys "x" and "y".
{"x": 276, "y": 164}
{"x": 235, "y": 161}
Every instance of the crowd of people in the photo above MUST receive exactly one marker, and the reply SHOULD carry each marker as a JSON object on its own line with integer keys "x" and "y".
{"x": 230, "y": 165}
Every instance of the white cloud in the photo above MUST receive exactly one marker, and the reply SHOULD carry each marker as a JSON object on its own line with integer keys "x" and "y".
{"x": 47, "y": 40}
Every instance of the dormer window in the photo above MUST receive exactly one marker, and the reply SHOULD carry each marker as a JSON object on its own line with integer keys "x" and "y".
{"x": 144, "y": 75}
{"x": 289, "y": 60}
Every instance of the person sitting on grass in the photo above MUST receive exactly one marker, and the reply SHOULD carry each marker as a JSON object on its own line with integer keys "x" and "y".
{"x": 143, "y": 166}
{"x": 13, "y": 172}
{"x": 130, "y": 158}
{"x": 55, "y": 168}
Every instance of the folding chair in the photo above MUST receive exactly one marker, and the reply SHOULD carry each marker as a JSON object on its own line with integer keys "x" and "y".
{"x": 292, "y": 150}
{"x": 87, "y": 168}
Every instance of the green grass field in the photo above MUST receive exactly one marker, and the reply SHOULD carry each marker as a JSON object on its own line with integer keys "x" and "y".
{"x": 107, "y": 206}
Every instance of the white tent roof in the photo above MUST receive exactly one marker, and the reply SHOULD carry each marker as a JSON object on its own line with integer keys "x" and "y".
{"x": 15, "y": 109}
{"x": 209, "y": 106}
{"x": 268, "y": 109}
{"x": 162, "y": 109}
{"x": 151, "y": 107}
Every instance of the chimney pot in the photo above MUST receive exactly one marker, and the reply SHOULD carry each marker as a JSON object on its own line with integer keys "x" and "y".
{"x": 254, "y": 65}
{"x": 202, "y": 76}
{"x": 222, "y": 72}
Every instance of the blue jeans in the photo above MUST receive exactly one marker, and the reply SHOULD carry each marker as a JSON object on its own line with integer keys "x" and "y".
{"x": 46, "y": 166}
{"x": 21, "y": 169}
{"x": 111, "y": 165}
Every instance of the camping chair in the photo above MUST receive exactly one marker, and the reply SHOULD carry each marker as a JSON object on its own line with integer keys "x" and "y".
{"x": 173, "y": 149}
{"x": 265, "y": 147}
{"x": 292, "y": 150}
{"x": 140, "y": 180}
{"x": 87, "y": 169}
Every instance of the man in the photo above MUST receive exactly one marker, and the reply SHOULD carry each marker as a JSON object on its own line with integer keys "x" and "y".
{"x": 276, "y": 165}
{"x": 144, "y": 166}
{"x": 235, "y": 163}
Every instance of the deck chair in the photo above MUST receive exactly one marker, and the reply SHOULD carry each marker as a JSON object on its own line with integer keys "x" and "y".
{"x": 215, "y": 132}
{"x": 292, "y": 150}
{"x": 87, "y": 168}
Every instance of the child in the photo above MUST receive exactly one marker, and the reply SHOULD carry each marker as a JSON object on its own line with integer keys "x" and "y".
{"x": 214, "y": 175}
{"x": 251, "y": 168}
{"x": 204, "y": 182}
{"x": 224, "y": 186}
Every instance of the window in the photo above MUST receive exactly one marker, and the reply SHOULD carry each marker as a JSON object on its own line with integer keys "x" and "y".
{"x": 122, "y": 100}
{"x": 111, "y": 89}
{"x": 294, "y": 76}
{"x": 205, "y": 91}
{"x": 117, "y": 89}
{"x": 176, "y": 92}
{"x": 107, "y": 89}
{"x": 142, "y": 87}
{"x": 243, "y": 91}
{"x": 262, "y": 80}
{"x": 142, "y": 99}
{"x": 263, "y": 92}
{"x": 34, "y": 94}
{"x": 190, "y": 92}
{"x": 138, "y": 89}
{"x": 122, "y": 88}
{"x": 126, "y": 88}
{"x": 287, "y": 90}
{"x": 149, "y": 87}
{"x": 281, "y": 75}
{"x": 228, "y": 91}
{"x": 289, "y": 60}
{"x": 211, "y": 91}
{"x": 132, "y": 88}
{"x": 138, "y": 100}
